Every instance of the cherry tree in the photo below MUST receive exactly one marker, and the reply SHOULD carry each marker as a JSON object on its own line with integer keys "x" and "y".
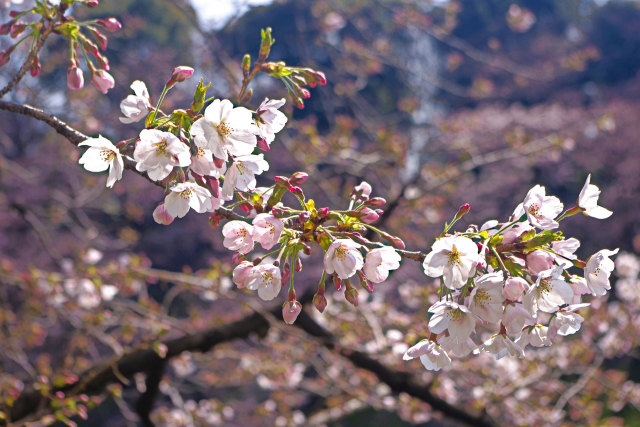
{"x": 513, "y": 287}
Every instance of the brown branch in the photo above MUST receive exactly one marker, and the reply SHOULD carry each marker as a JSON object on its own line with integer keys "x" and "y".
{"x": 96, "y": 379}
{"x": 123, "y": 368}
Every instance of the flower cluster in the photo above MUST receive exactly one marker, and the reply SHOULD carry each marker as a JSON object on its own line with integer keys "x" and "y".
{"x": 190, "y": 160}
{"x": 292, "y": 232}
{"x": 507, "y": 285}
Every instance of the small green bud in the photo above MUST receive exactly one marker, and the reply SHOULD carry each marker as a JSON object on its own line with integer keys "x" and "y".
{"x": 246, "y": 65}
{"x": 199, "y": 96}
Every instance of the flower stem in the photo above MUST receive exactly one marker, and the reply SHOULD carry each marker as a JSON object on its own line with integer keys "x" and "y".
{"x": 164, "y": 93}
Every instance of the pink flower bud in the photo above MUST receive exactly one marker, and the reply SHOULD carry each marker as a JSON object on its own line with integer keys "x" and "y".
{"x": 93, "y": 3}
{"x": 16, "y": 29}
{"x": 364, "y": 282}
{"x": 298, "y": 178}
{"x": 290, "y": 311}
{"x": 304, "y": 217}
{"x": 282, "y": 180}
{"x": 75, "y": 78}
{"x": 376, "y": 202}
{"x": 321, "y": 78}
{"x": 110, "y": 24}
{"x": 180, "y": 74}
{"x": 35, "y": 68}
{"x": 102, "y": 80}
{"x": 286, "y": 274}
{"x": 368, "y": 215}
{"x": 513, "y": 288}
{"x": 102, "y": 61}
{"x": 214, "y": 220}
{"x": 298, "y": 265}
{"x": 395, "y": 241}
{"x": 161, "y": 216}
{"x": 278, "y": 212}
{"x": 5, "y": 56}
{"x": 101, "y": 38}
{"x": 214, "y": 186}
{"x": 538, "y": 261}
{"x": 319, "y": 302}
{"x": 323, "y": 212}
{"x": 351, "y": 295}
{"x": 464, "y": 209}
{"x": 6, "y": 27}
{"x": 237, "y": 258}
{"x": 305, "y": 93}
{"x": 297, "y": 191}
{"x": 306, "y": 249}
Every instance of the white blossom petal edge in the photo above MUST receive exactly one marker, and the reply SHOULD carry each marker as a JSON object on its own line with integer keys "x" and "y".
{"x": 588, "y": 201}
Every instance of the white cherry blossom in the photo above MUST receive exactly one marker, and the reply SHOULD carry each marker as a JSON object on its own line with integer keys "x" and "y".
{"x": 451, "y": 316}
{"x": 267, "y": 230}
{"x": 185, "y": 195}
{"x": 378, "y": 263}
{"x": 566, "y": 249}
{"x": 136, "y": 107}
{"x": 344, "y": 258}
{"x": 431, "y": 354}
{"x": 266, "y": 278}
{"x": 588, "y": 201}
{"x": 159, "y": 152}
{"x": 536, "y": 335}
{"x": 598, "y": 270}
{"x": 242, "y": 174}
{"x": 453, "y": 257}
{"x": 501, "y": 345}
{"x": 202, "y": 163}
{"x": 486, "y": 297}
{"x": 516, "y": 316}
{"x": 269, "y": 121}
{"x": 539, "y": 260}
{"x": 541, "y": 209}
{"x": 566, "y": 321}
{"x": 549, "y": 292}
{"x": 225, "y": 130}
{"x": 100, "y": 156}
{"x": 457, "y": 348}
{"x": 238, "y": 236}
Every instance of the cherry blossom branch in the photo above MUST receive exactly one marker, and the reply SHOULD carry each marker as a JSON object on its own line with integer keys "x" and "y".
{"x": 76, "y": 137}
{"x": 33, "y": 54}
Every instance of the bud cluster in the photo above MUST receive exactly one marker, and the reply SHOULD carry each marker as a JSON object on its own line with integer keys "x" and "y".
{"x": 85, "y": 38}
